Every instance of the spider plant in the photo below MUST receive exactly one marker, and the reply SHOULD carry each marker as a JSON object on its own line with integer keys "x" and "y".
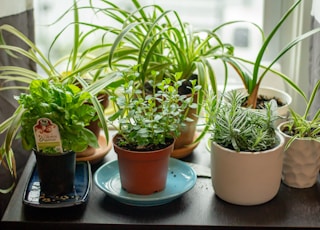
{"x": 301, "y": 126}
{"x": 158, "y": 40}
{"x": 80, "y": 64}
{"x": 252, "y": 79}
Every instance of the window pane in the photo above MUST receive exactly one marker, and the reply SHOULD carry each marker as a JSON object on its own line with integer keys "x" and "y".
{"x": 202, "y": 14}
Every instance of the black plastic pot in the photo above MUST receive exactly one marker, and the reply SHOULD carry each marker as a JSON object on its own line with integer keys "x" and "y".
{"x": 56, "y": 172}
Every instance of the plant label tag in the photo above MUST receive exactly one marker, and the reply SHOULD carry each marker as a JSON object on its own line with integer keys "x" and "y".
{"x": 47, "y": 136}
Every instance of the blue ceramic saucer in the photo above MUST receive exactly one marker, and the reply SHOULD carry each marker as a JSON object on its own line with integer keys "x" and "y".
{"x": 181, "y": 178}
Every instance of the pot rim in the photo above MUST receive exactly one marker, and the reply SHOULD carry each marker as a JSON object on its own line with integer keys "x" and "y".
{"x": 52, "y": 154}
{"x": 278, "y": 146}
{"x": 280, "y": 126}
{"x": 140, "y": 152}
{"x": 287, "y": 97}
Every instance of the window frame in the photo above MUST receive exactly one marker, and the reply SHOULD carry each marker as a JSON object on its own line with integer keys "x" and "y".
{"x": 296, "y": 63}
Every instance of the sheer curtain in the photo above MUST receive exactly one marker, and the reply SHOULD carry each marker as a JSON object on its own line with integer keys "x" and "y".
{"x": 315, "y": 55}
{"x": 18, "y": 13}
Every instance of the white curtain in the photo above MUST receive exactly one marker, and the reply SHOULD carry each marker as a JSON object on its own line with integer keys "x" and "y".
{"x": 18, "y": 13}
{"x": 315, "y": 55}
{"x": 12, "y": 7}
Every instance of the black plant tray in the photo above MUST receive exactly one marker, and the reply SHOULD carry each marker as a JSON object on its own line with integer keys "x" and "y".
{"x": 34, "y": 197}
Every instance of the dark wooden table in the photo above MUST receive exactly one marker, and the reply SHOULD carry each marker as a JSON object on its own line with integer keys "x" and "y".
{"x": 198, "y": 208}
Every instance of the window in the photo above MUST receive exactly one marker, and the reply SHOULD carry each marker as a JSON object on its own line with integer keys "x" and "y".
{"x": 201, "y": 14}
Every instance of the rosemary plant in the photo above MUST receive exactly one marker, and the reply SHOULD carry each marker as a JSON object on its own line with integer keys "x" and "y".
{"x": 241, "y": 129}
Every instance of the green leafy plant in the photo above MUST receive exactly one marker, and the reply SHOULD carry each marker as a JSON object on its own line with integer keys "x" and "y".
{"x": 147, "y": 121}
{"x": 302, "y": 126}
{"x": 66, "y": 106}
{"x": 252, "y": 79}
{"x": 158, "y": 40}
{"x": 241, "y": 129}
{"x": 73, "y": 68}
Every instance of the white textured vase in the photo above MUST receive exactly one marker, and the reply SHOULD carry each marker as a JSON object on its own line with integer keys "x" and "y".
{"x": 301, "y": 162}
{"x": 246, "y": 178}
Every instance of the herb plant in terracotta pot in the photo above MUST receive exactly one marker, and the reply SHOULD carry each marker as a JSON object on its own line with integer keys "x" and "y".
{"x": 53, "y": 119}
{"x": 147, "y": 127}
{"x": 159, "y": 40}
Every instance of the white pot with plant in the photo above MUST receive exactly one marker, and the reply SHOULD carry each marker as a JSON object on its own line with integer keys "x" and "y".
{"x": 301, "y": 160}
{"x": 252, "y": 78}
{"x": 246, "y": 152}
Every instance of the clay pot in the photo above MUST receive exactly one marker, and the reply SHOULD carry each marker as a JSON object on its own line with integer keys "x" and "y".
{"x": 144, "y": 172}
{"x": 95, "y": 128}
{"x": 188, "y": 132}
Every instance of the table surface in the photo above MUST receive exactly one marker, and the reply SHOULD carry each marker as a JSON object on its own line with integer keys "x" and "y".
{"x": 199, "y": 207}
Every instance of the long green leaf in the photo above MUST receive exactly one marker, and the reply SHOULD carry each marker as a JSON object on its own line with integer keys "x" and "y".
{"x": 268, "y": 40}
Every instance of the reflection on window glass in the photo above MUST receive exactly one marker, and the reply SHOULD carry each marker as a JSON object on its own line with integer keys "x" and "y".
{"x": 202, "y": 14}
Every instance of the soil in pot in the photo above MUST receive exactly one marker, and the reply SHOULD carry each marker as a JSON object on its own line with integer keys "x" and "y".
{"x": 263, "y": 100}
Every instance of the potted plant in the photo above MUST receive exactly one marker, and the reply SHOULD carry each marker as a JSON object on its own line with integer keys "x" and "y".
{"x": 82, "y": 65}
{"x": 301, "y": 159}
{"x": 53, "y": 119}
{"x": 246, "y": 152}
{"x": 160, "y": 41}
{"x": 147, "y": 125}
{"x": 252, "y": 79}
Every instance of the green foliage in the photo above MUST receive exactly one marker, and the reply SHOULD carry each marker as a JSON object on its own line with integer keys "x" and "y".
{"x": 146, "y": 120}
{"x": 158, "y": 40}
{"x": 241, "y": 129}
{"x": 66, "y": 106}
{"x": 252, "y": 79}
{"x": 80, "y": 64}
{"x": 302, "y": 126}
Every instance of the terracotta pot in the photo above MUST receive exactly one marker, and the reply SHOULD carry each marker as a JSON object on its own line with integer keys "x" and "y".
{"x": 94, "y": 127}
{"x": 301, "y": 161}
{"x": 143, "y": 173}
{"x": 246, "y": 178}
{"x": 56, "y": 172}
{"x": 188, "y": 132}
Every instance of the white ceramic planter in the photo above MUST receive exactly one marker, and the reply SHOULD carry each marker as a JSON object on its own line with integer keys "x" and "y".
{"x": 246, "y": 178}
{"x": 301, "y": 162}
{"x": 285, "y": 98}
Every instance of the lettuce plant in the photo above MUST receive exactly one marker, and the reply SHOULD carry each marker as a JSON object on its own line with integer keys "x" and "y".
{"x": 66, "y": 106}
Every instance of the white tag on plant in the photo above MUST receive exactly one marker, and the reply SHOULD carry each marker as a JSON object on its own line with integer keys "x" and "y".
{"x": 47, "y": 136}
